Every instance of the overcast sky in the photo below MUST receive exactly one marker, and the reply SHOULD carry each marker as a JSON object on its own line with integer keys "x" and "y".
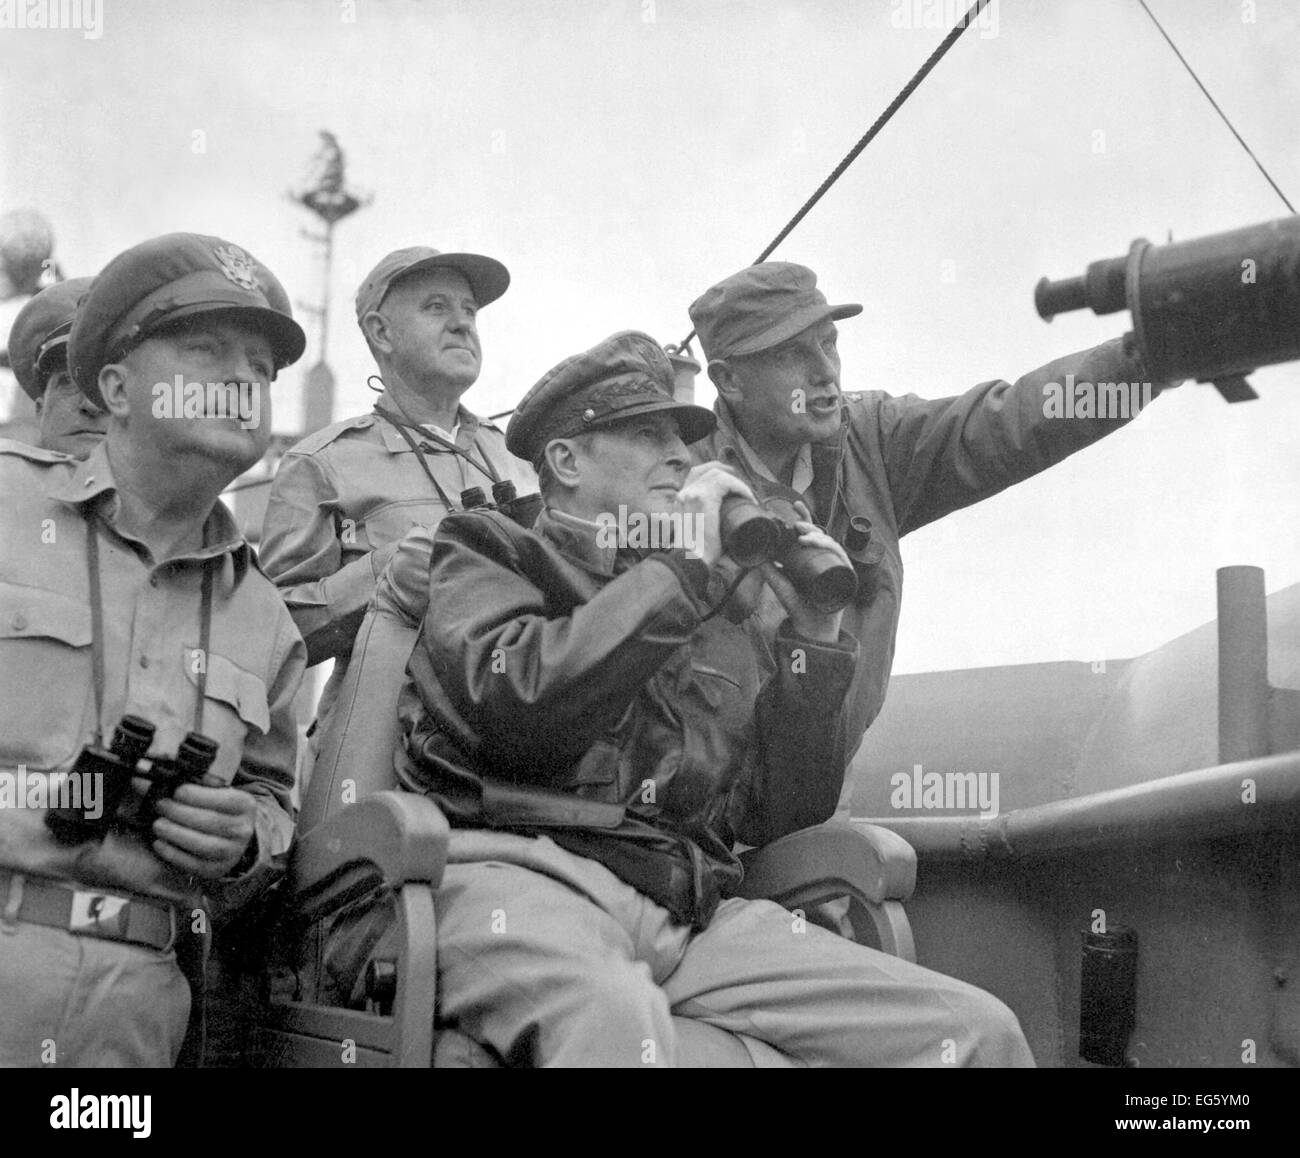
{"x": 621, "y": 155}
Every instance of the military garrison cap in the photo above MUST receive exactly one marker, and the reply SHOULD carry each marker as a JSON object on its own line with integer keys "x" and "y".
{"x": 39, "y": 335}
{"x": 167, "y": 278}
{"x": 761, "y": 307}
{"x": 627, "y": 374}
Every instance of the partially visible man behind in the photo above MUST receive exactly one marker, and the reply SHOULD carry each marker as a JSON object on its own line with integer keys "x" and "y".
{"x": 345, "y": 496}
{"x": 126, "y": 589}
{"x": 870, "y": 467}
{"x": 598, "y": 739}
{"x": 38, "y": 353}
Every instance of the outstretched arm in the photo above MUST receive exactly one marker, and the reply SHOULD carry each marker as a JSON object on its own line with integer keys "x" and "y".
{"x": 944, "y": 454}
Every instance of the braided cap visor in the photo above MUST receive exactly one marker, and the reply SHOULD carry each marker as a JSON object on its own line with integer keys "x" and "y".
{"x": 169, "y": 278}
{"x": 624, "y": 376}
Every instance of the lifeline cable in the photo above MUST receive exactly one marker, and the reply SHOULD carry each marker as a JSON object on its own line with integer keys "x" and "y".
{"x": 1215, "y": 103}
{"x": 867, "y": 137}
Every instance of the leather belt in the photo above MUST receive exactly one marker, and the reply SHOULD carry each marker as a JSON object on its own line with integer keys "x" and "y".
{"x": 681, "y": 880}
{"x": 87, "y": 912}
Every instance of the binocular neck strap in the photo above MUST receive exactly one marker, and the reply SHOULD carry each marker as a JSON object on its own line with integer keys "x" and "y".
{"x": 97, "y": 629}
{"x": 419, "y": 454}
{"x": 404, "y": 429}
{"x": 96, "y": 624}
{"x": 205, "y": 639}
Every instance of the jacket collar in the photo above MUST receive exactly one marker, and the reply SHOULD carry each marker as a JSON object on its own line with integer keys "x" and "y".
{"x": 91, "y": 487}
{"x": 726, "y": 437}
{"x": 734, "y": 451}
{"x": 577, "y": 538}
{"x": 583, "y": 543}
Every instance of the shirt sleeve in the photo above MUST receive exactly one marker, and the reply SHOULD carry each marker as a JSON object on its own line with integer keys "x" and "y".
{"x": 944, "y": 454}
{"x": 403, "y": 586}
{"x": 267, "y": 770}
{"x": 303, "y": 552}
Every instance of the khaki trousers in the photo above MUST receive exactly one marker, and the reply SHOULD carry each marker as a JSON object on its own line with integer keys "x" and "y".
{"x": 68, "y": 1000}
{"x": 550, "y": 959}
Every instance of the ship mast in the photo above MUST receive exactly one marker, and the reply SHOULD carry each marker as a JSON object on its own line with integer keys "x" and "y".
{"x": 325, "y": 194}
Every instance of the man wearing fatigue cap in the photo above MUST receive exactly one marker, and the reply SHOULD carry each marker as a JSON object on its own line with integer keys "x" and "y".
{"x": 598, "y": 741}
{"x": 344, "y": 496}
{"x": 870, "y": 467}
{"x": 38, "y": 352}
{"x": 126, "y": 588}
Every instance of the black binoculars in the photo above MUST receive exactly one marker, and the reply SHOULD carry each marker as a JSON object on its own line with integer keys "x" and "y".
{"x": 114, "y": 769}
{"x": 523, "y": 510}
{"x": 754, "y": 533}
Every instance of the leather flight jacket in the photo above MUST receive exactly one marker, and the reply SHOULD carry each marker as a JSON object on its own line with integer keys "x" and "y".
{"x": 566, "y": 688}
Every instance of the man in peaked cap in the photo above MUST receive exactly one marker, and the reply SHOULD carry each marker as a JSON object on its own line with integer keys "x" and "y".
{"x": 38, "y": 352}
{"x": 344, "y": 496}
{"x": 871, "y": 467}
{"x": 598, "y": 740}
{"x": 126, "y": 587}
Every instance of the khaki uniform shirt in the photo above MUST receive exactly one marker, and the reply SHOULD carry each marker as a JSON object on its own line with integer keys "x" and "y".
{"x": 151, "y": 624}
{"x": 342, "y": 500}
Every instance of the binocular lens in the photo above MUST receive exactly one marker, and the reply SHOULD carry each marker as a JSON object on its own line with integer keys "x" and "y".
{"x": 751, "y": 541}
{"x": 832, "y": 590}
{"x": 195, "y": 755}
{"x": 131, "y": 739}
{"x": 753, "y": 534}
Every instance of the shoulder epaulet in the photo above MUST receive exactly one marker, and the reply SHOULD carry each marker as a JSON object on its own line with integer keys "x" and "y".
{"x": 862, "y": 406}
{"x": 327, "y": 434}
{"x": 485, "y": 424}
{"x": 32, "y": 453}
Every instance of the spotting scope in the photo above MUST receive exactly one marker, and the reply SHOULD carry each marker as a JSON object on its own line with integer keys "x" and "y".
{"x": 1213, "y": 309}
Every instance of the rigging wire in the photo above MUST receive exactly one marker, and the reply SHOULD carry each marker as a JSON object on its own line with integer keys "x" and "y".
{"x": 867, "y": 137}
{"x": 934, "y": 58}
{"x": 1215, "y": 103}
{"x": 881, "y": 121}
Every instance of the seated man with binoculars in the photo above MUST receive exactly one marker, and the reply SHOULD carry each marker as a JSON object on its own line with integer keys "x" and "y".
{"x": 147, "y": 733}
{"x": 599, "y": 738}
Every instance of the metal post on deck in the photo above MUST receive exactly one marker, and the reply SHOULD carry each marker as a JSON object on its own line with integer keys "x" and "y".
{"x": 1243, "y": 664}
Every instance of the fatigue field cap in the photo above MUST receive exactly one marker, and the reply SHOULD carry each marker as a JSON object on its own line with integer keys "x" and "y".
{"x": 487, "y": 277}
{"x": 761, "y": 307}
{"x": 40, "y": 333}
{"x": 625, "y": 375}
{"x": 167, "y": 278}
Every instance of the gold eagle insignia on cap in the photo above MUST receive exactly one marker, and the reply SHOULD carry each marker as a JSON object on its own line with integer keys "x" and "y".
{"x": 237, "y": 266}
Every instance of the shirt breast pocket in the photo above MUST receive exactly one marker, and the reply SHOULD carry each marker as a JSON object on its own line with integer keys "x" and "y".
{"x": 725, "y": 708}
{"x": 234, "y": 701}
{"x": 717, "y": 718}
{"x": 389, "y": 523}
{"x": 46, "y": 696}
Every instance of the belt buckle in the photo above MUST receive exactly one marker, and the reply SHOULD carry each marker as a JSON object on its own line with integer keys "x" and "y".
{"x": 107, "y": 915}
{"x": 99, "y": 915}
